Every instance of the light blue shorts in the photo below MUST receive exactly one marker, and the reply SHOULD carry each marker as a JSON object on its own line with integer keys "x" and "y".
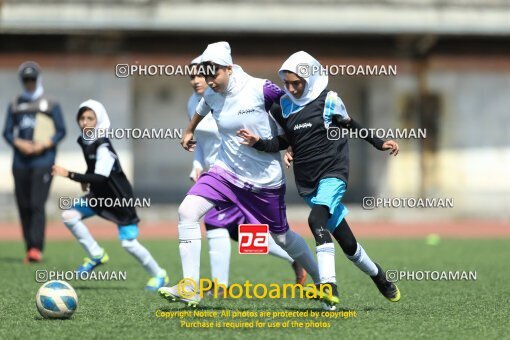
{"x": 330, "y": 193}
{"x": 126, "y": 232}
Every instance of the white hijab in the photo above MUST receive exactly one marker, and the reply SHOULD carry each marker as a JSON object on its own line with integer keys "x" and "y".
{"x": 197, "y": 60}
{"x": 218, "y": 53}
{"x": 307, "y": 67}
{"x": 102, "y": 119}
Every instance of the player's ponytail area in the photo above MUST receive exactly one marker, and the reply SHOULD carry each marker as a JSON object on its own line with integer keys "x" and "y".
{"x": 119, "y": 306}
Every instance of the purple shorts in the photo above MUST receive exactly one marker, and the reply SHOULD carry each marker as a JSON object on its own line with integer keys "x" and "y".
{"x": 262, "y": 206}
{"x": 229, "y": 218}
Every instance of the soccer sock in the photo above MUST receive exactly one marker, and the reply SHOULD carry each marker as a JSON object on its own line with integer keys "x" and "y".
{"x": 143, "y": 256}
{"x": 298, "y": 250}
{"x": 317, "y": 220}
{"x": 345, "y": 238}
{"x": 363, "y": 262}
{"x": 353, "y": 250}
{"x": 219, "y": 254}
{"x": 277, "y": 251}
{"x": 80, "y": 231}
{"x": 190, "y": 245}
{"x": 326, "y": 262}
{"x": 190, "y": 212}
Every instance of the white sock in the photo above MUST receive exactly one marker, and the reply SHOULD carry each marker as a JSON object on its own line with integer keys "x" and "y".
{"x": 298, "y": 250}
{"x": 326, "y": 262}
{"x": 72, "y": 220}
{"x": 276, "y": 250}
{"x": 219, "y": 254}
{"x": 143, "y": 256}
{"x": 190, "y": 212}
{"x": 363, "y": 262}
{"x": 190, "y": 246}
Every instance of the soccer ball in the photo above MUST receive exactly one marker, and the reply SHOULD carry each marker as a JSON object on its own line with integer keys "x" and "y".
{"x": 56, "y": 300}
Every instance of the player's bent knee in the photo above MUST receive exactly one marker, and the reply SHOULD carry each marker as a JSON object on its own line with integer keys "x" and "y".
{"x": 291, "y": 242}
{"x": 187, "y": 211}
{"x": 281, "y": 239}
{"x": 313, "y": 221}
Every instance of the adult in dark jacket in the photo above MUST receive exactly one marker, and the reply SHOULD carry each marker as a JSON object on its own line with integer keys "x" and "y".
{"x": 34, "y": 126}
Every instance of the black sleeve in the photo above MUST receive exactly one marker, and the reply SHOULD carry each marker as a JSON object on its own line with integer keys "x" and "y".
{"x": 87, "y": 178}
{"x": 275, "y": 144}
{"x": 355, "y": 126}
{"x": 271, "y": 145}
{"x": 276, "y": 112}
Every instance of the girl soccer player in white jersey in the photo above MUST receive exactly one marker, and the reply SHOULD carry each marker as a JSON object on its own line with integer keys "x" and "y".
{"x": 321, "y": 164}
{"x": 221, "y": 225}
{"x": 105, "y": 179}
{"x": 241, "y": 176}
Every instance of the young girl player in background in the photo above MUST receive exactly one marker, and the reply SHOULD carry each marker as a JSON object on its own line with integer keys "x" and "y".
{"x": 105, "y": 179}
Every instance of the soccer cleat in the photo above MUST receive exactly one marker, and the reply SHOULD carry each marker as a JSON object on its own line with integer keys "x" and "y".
{"x": 157, "y": 282}
{"x": 327, "y": 293}
{"x": 33, "y": 255}
{"x": 90, "y": 263}
{"x": 388, "y": 289}
{"x": 176, "y": 293}
{"x": 300, "y": 273}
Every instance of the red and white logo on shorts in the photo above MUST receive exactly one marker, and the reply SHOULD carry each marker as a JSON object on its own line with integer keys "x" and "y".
{"x": 253, "y": 239}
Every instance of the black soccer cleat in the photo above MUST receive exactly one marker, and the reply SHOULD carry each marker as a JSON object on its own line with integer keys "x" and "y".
{"x": 388, "y": 289}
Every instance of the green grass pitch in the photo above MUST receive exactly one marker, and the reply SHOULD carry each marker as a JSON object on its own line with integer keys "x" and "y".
{"x": 121, "y": 309}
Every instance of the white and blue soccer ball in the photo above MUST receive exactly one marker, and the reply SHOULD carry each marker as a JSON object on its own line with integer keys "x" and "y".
{"x": 56, "y": 300}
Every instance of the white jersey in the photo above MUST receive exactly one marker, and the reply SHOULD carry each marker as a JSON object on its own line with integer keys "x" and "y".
{"x": 244, "y": 108}
{"x": 207, "y": 136}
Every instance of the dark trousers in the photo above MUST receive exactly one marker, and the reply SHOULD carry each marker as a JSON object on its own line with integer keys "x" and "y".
{"x": 32, "y": 187}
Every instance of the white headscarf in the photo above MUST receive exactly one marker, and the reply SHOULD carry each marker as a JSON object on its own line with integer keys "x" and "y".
{"x": 237, "y": 80}
{"x": 197, "y": 60}
{"x": 218, "y": 53}
{"x": 102, "y": 119}
{"x": 308, "y": 68}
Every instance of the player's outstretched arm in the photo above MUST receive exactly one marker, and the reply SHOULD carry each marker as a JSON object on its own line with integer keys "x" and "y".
{"x": 57, "y": 170}
{"x": 266, "y": 145}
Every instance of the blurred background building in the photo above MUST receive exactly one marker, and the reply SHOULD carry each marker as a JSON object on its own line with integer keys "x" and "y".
{"x": 453, "y": 79}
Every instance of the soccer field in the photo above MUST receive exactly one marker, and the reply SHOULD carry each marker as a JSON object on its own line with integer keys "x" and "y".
{"x": 121, "y": 309}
